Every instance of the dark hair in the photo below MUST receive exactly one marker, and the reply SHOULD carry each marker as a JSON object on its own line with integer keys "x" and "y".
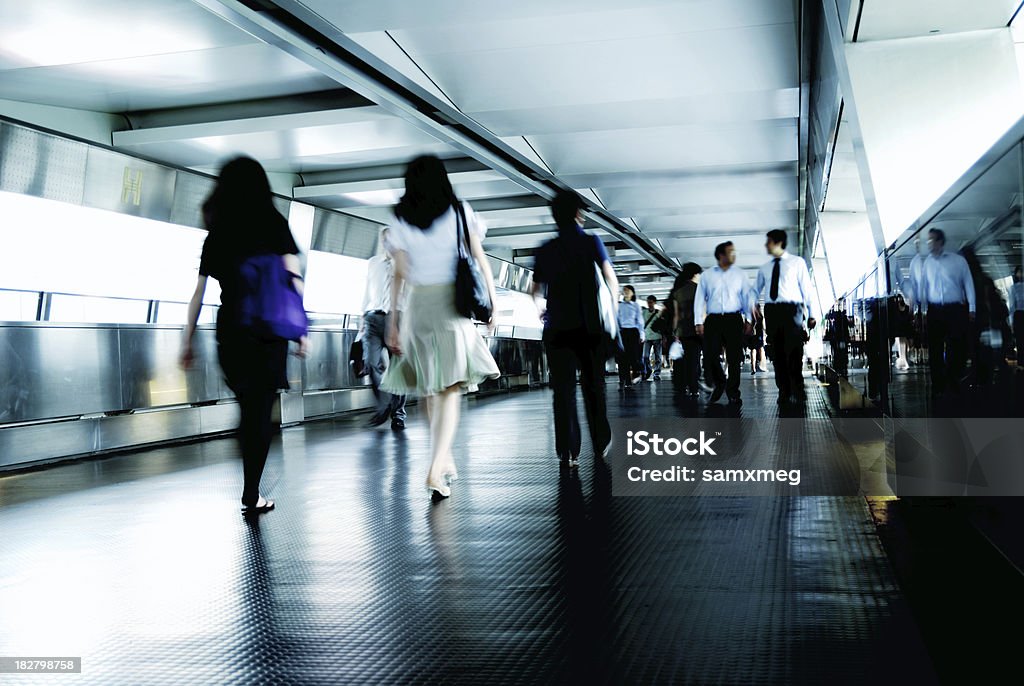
{"x": 564, "y": 207}
{"x": 428, "y": 192}
{"x": 631, "y": 290}
{"x": 652, "y": 297}
{"x": 721, "y": 248}
{"x": 240, "y": 210}
{"x": 690, "y": 269}
{"x": 938, "y": 233}
{"x": 1018, "y": 270}
{"x": 778, "y": 236}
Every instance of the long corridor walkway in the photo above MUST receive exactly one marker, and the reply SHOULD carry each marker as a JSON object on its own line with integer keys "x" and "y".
{"x": 142, "y": 565}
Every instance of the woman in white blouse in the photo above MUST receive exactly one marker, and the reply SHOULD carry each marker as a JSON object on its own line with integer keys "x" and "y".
{"x": 438, "y": 352}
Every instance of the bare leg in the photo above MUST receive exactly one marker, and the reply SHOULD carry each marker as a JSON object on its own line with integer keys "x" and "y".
{"x": 444, "y": 422}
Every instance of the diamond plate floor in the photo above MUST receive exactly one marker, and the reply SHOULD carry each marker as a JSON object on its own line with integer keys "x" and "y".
{"x": 141, "y": 565}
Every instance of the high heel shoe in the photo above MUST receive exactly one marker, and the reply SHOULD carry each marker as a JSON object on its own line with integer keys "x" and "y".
{"x": 437, "y": 491}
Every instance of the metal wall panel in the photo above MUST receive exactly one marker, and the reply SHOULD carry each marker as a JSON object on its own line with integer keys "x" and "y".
{"x": 57, "y": 372}
{"x": 127, "y": 185}
{"x": 129, "y": 430}
{"x": 344, "y": 234}
{"x": 327, "y": 365}
{"x": 190, "y": 191}
{"x": 218, "y": 418}
{"x": 36, "y": 442}
{"x": 291, "y": 408}
{"x": 34, "y": 163}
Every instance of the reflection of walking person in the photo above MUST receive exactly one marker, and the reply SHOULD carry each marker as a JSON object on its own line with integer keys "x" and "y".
{"x": 243, "y": 223}
{"x": 1016, "y": 298}
{"x": 947, "y": 288}
{"x": 438, "y": 351}
{"x": 573, "y": 335}
{"x": 376, "y": 310}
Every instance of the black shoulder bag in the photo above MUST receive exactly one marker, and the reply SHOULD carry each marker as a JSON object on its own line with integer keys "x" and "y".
{"x": 472, "y": 299}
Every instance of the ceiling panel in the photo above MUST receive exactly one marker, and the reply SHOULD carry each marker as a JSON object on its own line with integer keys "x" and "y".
{"x": 744, "y": 59}
{"x": 594, "y": 24}
{"x": 667, "y": 147}
{"x": 356, "y": 16}
{"x": 599, "y": 115}
{"x": 60, "y": 32}
{"x": 886, "y": 19}
{"x": 197, "y": 77}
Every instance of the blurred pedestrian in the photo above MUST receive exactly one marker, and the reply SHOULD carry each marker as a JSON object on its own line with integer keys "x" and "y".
{"x": 574, "y": 340}
{"x": 439, "y": 352}
{"x": 243, "y": 223}
{"x": 947, "y": 289}
{"x": 377, "y": 309}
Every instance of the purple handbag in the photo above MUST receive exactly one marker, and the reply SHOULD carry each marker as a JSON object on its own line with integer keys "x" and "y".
{"x": 270, "y": 306}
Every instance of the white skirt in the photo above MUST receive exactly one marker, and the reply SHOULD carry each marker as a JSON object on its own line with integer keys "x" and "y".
{"x": 440, "y": 348}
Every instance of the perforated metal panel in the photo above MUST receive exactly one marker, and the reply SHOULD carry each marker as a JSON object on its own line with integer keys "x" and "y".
{"x": 344, "y": 235}
{"x": 34, "y": 163}
{"x": 190, "y": 190}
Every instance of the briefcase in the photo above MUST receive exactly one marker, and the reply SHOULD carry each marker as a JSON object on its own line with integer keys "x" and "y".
{"x": 355, "y": 359}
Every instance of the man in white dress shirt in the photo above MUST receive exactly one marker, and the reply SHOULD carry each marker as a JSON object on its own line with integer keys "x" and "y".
{"x": 376, "y": 309}
{"x": 1016, "y": 296}
{"x": 723, "y": 309}
{"x": 787, "y": 288}
{"x": 947, "y": 289}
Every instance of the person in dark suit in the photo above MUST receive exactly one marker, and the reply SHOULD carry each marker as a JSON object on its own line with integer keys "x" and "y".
{"x": 573, "y": 337}
{"x": 686, "y": 374}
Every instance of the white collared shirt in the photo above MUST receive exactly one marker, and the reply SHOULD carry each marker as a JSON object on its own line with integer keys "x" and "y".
{"x": 379, "y": 275}
{"x": 916, "y": 279}
{"x": 794, "y": 282}
{"x": 1016, "y": 295}
{"x": 722, "y": 291}
{"x": 946, "y": 280}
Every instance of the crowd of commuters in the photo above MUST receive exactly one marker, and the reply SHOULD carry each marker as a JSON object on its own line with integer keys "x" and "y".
{"x": 416, "y": 341}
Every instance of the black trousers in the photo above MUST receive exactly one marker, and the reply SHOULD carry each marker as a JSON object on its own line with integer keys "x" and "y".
{"x": 629, "y": 360}
{"x": 1018, "y": 335}
{"x": 255, "y": 432}
{"x": 692, "y": 346}
{"x": 569, "y": 351}
{"x": 947, "y": 345}
{"x": 785, "y": 335}
{"x": 723, "y": 331}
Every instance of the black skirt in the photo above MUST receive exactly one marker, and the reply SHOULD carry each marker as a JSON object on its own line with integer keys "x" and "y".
{"x": 251, "y": 364}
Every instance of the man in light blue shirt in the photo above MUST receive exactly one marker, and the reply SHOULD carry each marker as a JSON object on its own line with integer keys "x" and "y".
{"x": 947, "y": 288}
{"x": 722, "y": 309}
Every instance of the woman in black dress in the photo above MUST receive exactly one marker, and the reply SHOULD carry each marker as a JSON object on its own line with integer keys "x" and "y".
{"x": 242, "y": 222}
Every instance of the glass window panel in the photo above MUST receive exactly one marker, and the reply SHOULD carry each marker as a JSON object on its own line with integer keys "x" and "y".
{"x": 85, "y": 309}
{"x": 18, "y": 306}
{"x": 334, "y": 283}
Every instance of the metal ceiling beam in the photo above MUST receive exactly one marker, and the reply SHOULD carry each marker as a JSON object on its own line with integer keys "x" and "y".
{"x": 298, "y": 103}
{"x": 293, "y": 28}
